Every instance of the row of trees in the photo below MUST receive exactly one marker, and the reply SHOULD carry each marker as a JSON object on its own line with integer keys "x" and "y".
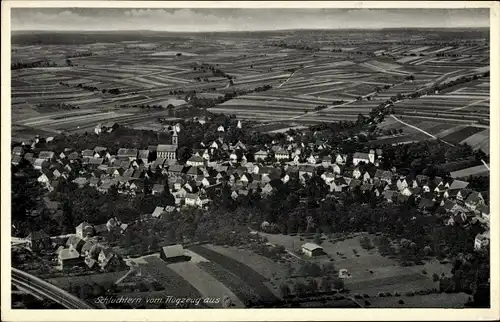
{"x": 114, "y": 91}
{"x": 34, "y": 64}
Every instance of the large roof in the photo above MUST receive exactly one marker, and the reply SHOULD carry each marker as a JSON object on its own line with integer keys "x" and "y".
{"x": 173, "y": 251}
{"x": 311, "y": 246}
{"x": 166, "y": 148}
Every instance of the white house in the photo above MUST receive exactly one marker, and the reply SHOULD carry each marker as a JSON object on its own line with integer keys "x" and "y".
{"x": 194, "y": 200}
{"x": 328, "y": 177}
{"x": 482, "y": 241}
{"x": 311, "y": 159}
{"x": 340, "y": 159}
{"x": 195, "y": 161}
{"x": 356, "y": 173}
{"x": 360, "y": 157}
{"x": 282, "y": 154}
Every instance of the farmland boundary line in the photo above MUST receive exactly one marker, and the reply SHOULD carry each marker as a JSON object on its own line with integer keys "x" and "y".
{"x": 420, "y": 130}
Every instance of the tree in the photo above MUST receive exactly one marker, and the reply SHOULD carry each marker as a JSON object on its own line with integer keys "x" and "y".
{"x": 312, "y": 285}
{"x": 435, "y": 277}
{"x": 338, "y": 284}
{"x": 285, "y": 290}
{"x": 317, "y": 238}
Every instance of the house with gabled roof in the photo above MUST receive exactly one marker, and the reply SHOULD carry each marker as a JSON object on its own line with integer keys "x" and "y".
{"x": 75, "y": 242}
{"x": 463, "y": 194}
{"x": 282, "y": 155}
{"x": 356, "y": 173}
{"x": 484, "y": 211}
{"x": 46, "y": 155}
{"x": 195, "y": 161}
{"x": 105, "y": 186}
{"x": 84, "y": 230}
{"x": 175, "y": 169}
{"x": 38, "y": 240}
{"x": 81, "y": 181}
{"x": 87, "y": 153}
{"x": 312, "y": 159}
{"x": 108, "y": 260}
{"x": 340, "y": 159}
{"x": 328, "y": 177}
{"x": 474, "y": 200}
{"x": 260, "y": 155}
{"x": 383, "y": 176}
{"x": 68, "y": 258}
{"x": 158, "y": 189}
{"x": 16, "y": 159}
{"x": 143, "y": 155}
{"x": 193, "y": 199}
{"x": 359, "y": 157}
{"x": 306, "y": 169}
{"x": 18, "y": 150}
{"x": 482, "y": 241}
{"x": 354, "y": 184}
{"x": 39, "y": 164}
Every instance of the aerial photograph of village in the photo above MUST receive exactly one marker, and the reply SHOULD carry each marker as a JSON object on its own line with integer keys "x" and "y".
{"x": 250, "y": 158}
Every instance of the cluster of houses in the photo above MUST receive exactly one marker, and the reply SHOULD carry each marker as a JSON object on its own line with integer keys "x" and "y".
{"x": 191, "y": 184}
{"x": 83, "y": 248}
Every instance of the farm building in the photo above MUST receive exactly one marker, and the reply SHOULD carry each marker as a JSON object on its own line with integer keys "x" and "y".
{"x": 173, "y": 253}
{"x": 311, "y": 249}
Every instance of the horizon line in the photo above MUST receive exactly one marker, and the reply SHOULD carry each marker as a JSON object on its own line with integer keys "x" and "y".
{"x": 257, "y": 30}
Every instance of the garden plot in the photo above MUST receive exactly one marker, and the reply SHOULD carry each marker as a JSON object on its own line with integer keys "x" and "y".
{"x": 237, "y": 269}
{"x": 206, "y": 284}
{"x": 103, "y": 279}
{"x": 262, "y": 265}
{"x": 173, "y": 282}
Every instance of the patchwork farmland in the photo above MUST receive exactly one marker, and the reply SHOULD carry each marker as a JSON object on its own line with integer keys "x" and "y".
{"x": 319, "y": 83}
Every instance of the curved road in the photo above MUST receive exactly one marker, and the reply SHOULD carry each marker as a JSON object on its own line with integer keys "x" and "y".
{"x": 40, "y": 288}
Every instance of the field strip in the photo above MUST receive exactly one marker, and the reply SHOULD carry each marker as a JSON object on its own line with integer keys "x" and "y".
{"x": 68, "y": 114}
{"x": 78, "y": 118}
{"x": 418, "y": 129}
{"x": 471, "y": 104}
{"x": 205, "y": 283}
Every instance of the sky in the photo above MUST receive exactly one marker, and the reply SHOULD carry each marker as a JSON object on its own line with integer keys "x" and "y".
{"x": 179, "y": 20}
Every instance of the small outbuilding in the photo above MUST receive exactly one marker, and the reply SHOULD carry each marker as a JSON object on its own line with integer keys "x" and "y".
{"x": 311, "y": 249}
{"x": 174, "y": 253}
